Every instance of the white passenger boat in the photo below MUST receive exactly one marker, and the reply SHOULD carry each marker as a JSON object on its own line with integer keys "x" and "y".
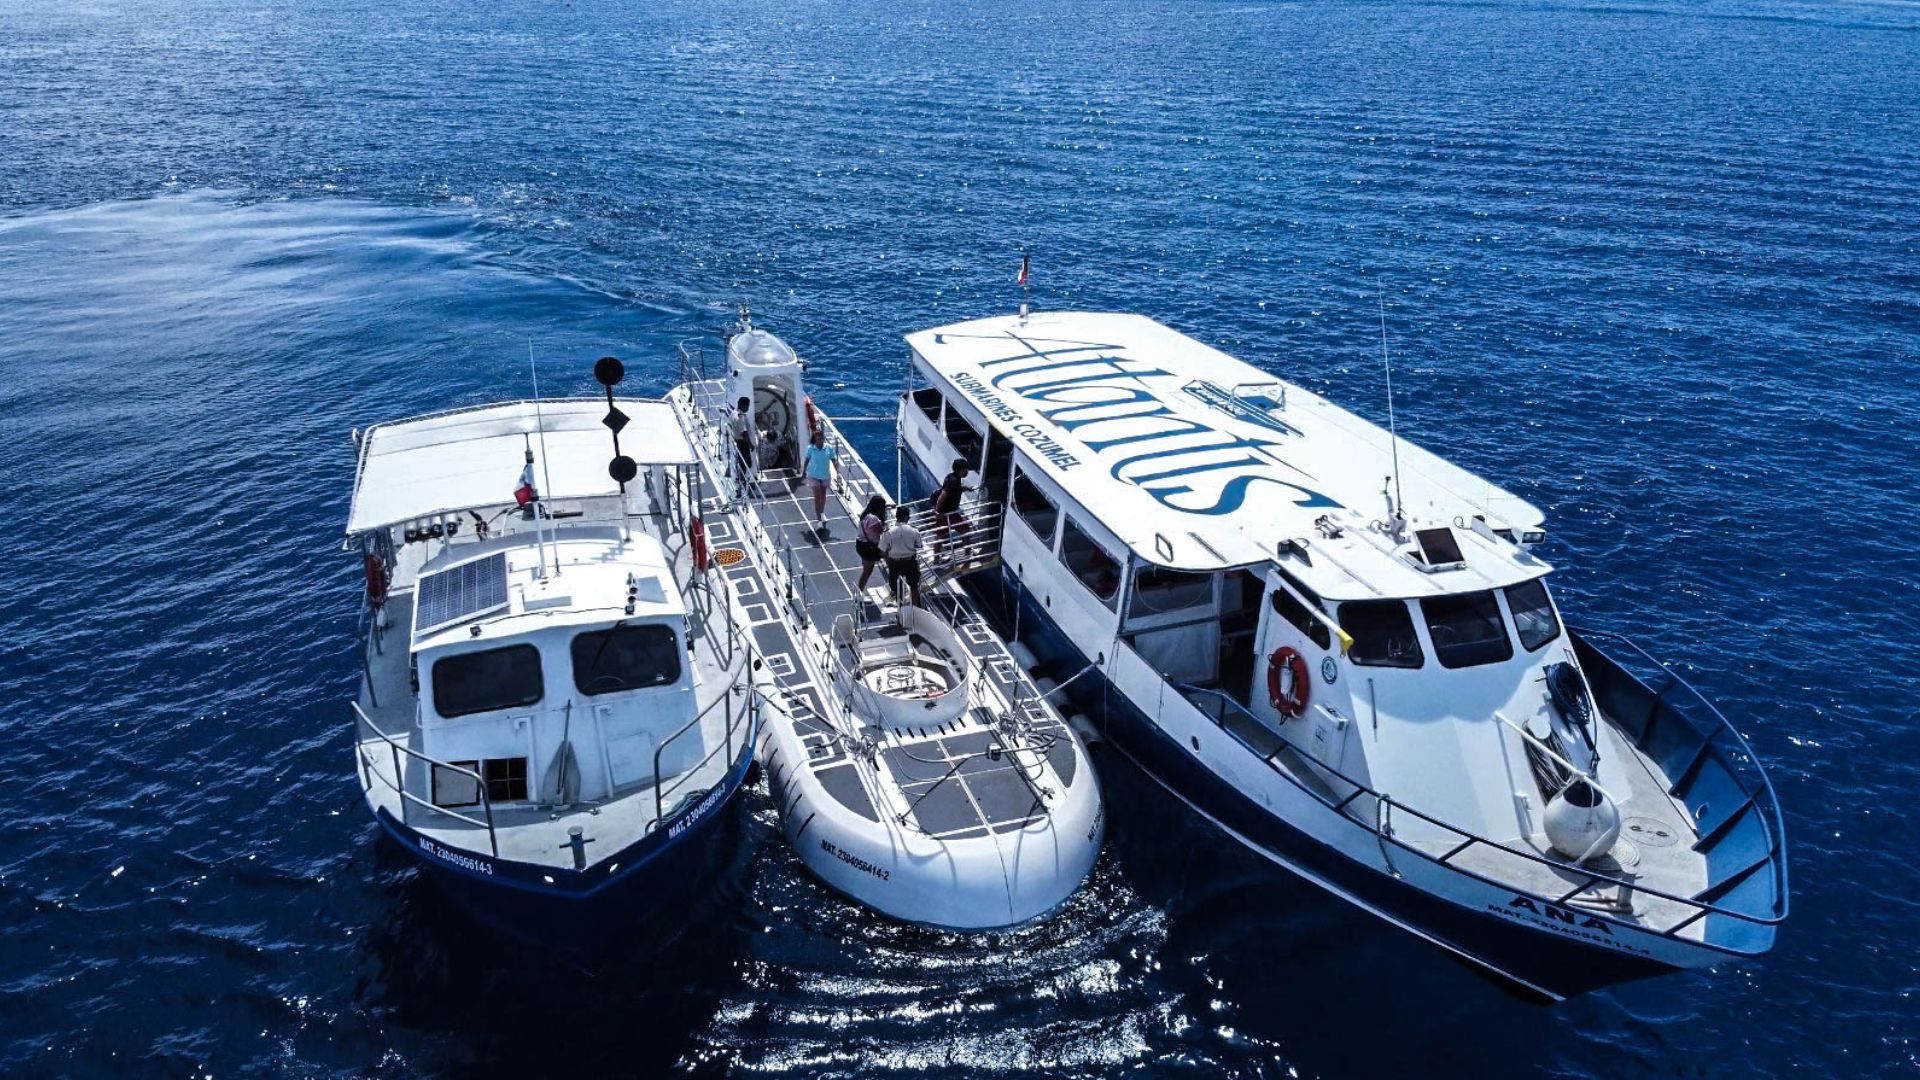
{"x": 1343, "y": 653}
{"x": 915, "y": 766}
{"x": 557, "y": 702}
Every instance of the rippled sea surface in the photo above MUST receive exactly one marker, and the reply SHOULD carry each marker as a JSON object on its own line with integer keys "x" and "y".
{"x": 1653, "y": 265}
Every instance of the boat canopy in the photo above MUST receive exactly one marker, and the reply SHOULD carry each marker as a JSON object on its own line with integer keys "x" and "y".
{"x": 1199, "y": 461}
{"x": 472, "y": 458}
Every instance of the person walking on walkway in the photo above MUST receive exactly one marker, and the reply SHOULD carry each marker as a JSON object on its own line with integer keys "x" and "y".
{"x": 900, "y": 546}
{"x": 819, "y": 473}
{"x": 873, "y": 525}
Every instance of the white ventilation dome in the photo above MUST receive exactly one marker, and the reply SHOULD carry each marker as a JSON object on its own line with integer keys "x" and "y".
{"x": 759, "y": 349}
{"x": 1582, "y": 822}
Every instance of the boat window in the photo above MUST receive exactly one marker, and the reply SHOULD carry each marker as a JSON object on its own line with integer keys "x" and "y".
{"x": 929, "y": 400}
{"x": 1466, "y": 629}
{"x": 506, "y": 780}
{"x": 486, "y": 680}
{"x": 1533, "y": 613}
{"x": 1034, "y": 507}
{"x": 1158, "y": 590}
{"x": 1089, "y": 562}
{"x": 1382, "y": 632}
{"x": 1288, "y": 607}
{"x": 964, "y": 436}
{"x": 625, "y": 658}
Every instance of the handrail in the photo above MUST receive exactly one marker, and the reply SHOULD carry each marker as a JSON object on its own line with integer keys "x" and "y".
{"x": 1575, "y": 771}
{"x": 662, "y": 789}
{"x": 399, "y": 782}
{"x": 1777, "y": 833}
{"x": 1592, "y": 876}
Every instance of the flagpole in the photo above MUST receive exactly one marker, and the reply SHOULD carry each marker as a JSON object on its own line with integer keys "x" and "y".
{"x": 1026, "y": 286}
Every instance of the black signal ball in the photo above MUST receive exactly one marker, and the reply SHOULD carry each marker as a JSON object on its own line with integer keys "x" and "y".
{"x": 622, "y": 469}
{"x": 608, "y": 371}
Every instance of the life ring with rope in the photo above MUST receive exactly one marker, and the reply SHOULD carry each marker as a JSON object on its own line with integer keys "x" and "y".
{"x": 699, "y": 544}
{"x": 813, "y": 417}
{"x": 376, "y": 580}
{"x": 1287, "y": 684}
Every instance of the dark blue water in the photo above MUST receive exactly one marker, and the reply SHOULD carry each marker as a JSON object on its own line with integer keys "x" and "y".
{"x": 1653, "y": 265}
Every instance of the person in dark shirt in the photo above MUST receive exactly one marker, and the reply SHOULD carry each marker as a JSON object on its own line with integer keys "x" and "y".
{"x": 873, "y": 524}
{"x": 947, "y": 518}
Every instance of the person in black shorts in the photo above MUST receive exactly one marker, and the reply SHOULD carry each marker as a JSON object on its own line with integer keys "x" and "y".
{"x": 873, "y": 525}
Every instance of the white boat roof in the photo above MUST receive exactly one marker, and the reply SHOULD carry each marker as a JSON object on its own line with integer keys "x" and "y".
{"x": 471, "y": 458}
{"x": 1196, "y": 460}
{"x": 585, "y": 581}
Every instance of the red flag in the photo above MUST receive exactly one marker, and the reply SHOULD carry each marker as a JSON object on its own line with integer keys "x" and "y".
{"x": 1023, "y": 271}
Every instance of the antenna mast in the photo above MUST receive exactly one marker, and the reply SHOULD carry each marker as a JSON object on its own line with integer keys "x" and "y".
{"x": 546, "y": 469}
{"x": 1396, "y": 506}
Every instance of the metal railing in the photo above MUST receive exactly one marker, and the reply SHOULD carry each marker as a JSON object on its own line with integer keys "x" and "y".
{"x": 1743, "y": 765}
{"x": 748, "y": 714}
{"x": 1380, "y": 822}
{"x": 398, "y": 784}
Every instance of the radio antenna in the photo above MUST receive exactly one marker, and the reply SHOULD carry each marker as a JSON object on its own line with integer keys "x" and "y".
{"x": 1397, "y": 511}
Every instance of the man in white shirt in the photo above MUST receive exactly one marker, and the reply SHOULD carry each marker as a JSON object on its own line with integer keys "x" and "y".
{"x": 900, "y": 546}
{"x": 740, "y": 426}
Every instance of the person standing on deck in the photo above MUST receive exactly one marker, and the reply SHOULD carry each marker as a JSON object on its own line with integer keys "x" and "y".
{"x": 818, "y": 469}
{"x": 900, "y": 546}
{"x": 740, "y": 423}
{"x": 873, "y": 525}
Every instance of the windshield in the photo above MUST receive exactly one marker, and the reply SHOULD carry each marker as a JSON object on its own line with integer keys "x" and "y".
{"x": 1533, "y": 616}
{"x": 1466, "y": 629}
{"x": 487, "y": 680}
{"x": 1382, "y": 633}
{"x": 625, "y": 658}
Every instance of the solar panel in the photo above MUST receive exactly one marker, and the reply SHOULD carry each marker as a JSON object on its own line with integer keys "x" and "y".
{"x": 460, "y": 593}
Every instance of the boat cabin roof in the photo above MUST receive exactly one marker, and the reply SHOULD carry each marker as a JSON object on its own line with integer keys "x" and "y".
{"x": 471, "y": 458}
{"x": 1196, "y": 460}
{"x": 495, "y": 587}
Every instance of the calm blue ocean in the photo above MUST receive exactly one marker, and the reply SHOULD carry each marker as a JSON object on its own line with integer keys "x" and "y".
{"x": 1652, "y": 264}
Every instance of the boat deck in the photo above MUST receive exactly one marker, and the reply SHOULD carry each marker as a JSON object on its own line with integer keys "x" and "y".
{"x": 949, "y": 781}
{"x": 1655, "y": 845}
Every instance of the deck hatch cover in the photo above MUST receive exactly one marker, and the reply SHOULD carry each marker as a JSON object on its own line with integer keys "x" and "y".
{"x": 459, "y": 593}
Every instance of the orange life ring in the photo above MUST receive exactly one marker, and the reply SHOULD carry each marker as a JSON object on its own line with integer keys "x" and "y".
{"x": 813, "y": 417}
{"x": 1290, "y": 700}
{"x": 376, "y": 581}
{"x": 699, "y": 536}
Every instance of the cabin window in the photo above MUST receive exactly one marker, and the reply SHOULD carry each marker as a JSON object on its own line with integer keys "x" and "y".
{"x": 1533, "y": 615}
{"x": 487, "y": 680}
{"x": 1090, "y": 563}
{"x": 506, "y": 780}
{"x": 1157, "y": 590}
{"x": 929, "y": 400}
{"x": 1034, "y": 508}
{"x": 1289, "y": 607}
{"x": 625, "y": 658}
{"x": 1466, "y": 629}
{"x": 1382, "y": 632}
{"x": 964, "y": 437}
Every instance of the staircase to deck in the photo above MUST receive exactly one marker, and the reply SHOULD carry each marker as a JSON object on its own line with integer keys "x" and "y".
{"x": 956, "y": 551}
